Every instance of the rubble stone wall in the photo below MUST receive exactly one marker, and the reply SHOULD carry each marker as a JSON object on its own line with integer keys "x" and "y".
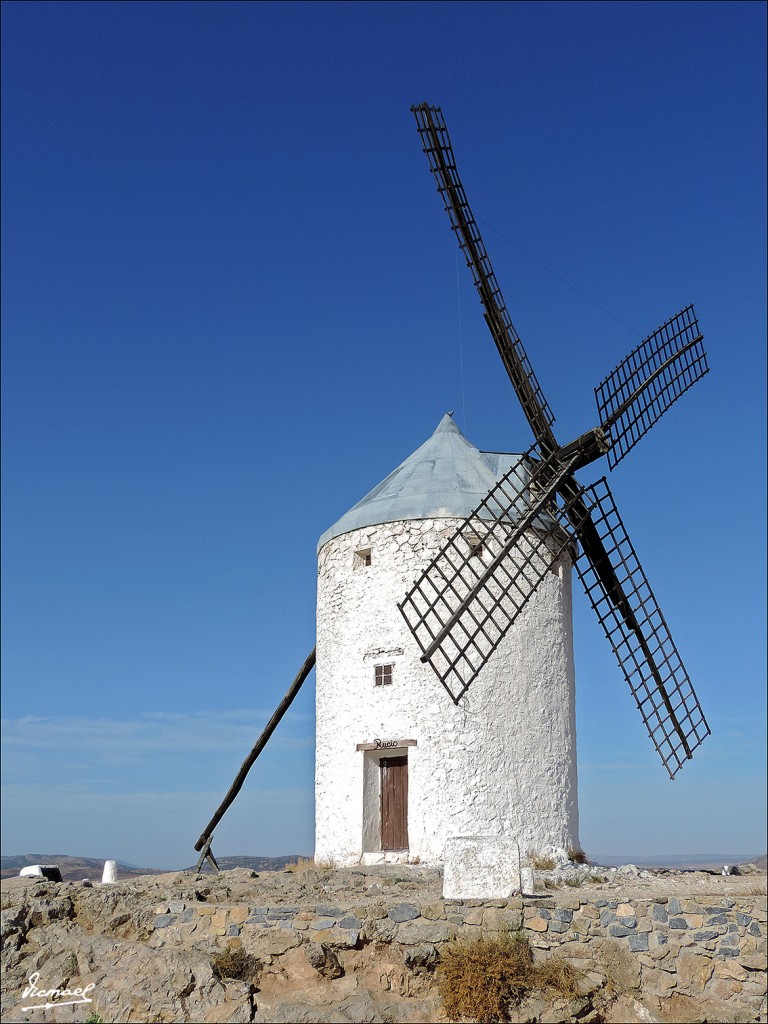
{"x": 335, "y": 947}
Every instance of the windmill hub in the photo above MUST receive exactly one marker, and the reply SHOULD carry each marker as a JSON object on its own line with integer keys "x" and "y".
{"x": 588, "y": 448}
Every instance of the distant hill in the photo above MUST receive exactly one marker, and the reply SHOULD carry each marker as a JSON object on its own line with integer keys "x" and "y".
{"x": 73, "y": 869}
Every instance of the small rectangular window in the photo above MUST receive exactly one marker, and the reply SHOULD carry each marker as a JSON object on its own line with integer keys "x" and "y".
{"x": 362, "y": 558}
{"x": 382, "y": 674}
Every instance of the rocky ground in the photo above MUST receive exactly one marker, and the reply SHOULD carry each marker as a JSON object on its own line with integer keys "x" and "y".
{"x": 637, "y": 883}
{"x": 352, "y": 945}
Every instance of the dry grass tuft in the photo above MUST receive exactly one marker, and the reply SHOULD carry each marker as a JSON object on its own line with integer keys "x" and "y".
{"x": 576, "y": 855}
{"x": 540, "y": 861}
{"x": 308, "y": 864}
{"x": 302, "y": 864}
{"x": 482, "y": 978}
{"x": 236, "y": 963}
{"x": 326, "y": 864}
{"x": 558, "y": 974}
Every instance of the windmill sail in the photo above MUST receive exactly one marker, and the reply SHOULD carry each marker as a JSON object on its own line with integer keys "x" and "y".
{"x": 437, "y": 146}
{"x": 645, "y": 384}
{"x": 457, "y": 610}
{"x": 472, "y": 591}
{"x": 638, "y": 634}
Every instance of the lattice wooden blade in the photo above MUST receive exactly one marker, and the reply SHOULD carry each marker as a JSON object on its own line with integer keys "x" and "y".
{"x": 473, "y": 590}
{"x": 442, "y": 163}
{"x": 638, "y": 634}
{"x": 652, "y": 377}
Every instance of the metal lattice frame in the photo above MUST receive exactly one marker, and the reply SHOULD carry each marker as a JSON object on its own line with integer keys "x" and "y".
{"x": 640, "y": 639}
{"x": 460, "y": 607}
{"x": 661, "y": 369}
{"x": 465, "y": 601}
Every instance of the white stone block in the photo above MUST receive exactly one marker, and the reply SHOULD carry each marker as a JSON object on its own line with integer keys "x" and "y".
{"x": 110, "y": 872}
{"x": 480, "y": 868}
{"x": 527, "y": 882}
{"x": 31, "y": 871}
{"x": 375, "y": 857}
{"x": 49, "y": 871}
{"x": 385, "y": 857}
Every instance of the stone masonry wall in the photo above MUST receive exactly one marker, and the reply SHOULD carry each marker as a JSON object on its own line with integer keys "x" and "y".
{"x": 709, "y": 950}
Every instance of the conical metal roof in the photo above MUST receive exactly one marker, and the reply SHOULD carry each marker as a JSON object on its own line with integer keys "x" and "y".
{"x": 446, "y": 476}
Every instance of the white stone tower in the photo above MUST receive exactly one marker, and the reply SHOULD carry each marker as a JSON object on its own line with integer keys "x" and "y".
{"x": 400, "y": 769}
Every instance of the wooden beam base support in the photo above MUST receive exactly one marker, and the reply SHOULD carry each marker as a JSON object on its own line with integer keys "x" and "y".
{"x": 207, "y": 854}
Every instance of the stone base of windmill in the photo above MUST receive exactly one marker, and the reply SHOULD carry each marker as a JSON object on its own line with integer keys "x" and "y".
{"x": 483, "y": 868}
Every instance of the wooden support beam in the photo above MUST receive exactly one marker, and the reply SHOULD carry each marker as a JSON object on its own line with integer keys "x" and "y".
{"x": 245, "y": 767}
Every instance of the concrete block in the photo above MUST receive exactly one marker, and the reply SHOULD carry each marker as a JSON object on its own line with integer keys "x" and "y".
{"x": 50, "y": 872}
{"x": 480, "y": 867}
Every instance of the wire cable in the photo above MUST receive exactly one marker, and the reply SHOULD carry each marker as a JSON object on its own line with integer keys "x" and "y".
{"x": 559, "y": 277}
{"x": 461, "y": 348}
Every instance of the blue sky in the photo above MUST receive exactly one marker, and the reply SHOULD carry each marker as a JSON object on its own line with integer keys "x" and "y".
{"x": 232, "y": 304}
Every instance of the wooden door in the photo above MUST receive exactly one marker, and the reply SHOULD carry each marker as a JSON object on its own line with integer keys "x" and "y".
{"x": 394, "y": 803}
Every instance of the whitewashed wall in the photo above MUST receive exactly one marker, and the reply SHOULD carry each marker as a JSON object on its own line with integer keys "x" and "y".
{"x": 504, "y": 764}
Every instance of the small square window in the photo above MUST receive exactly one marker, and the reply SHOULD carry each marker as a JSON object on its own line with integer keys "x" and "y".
{"x": 382, "y": 674}
{"x": 362, "y": 558}
{"x": 476, "y": 546}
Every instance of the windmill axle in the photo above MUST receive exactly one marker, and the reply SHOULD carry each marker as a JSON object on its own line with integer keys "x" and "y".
{"x": 587, "y": 448}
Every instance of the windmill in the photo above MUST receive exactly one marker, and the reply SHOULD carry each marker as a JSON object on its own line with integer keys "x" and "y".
{"x": 534, "y": 517}
{"x": 459, "y": 608}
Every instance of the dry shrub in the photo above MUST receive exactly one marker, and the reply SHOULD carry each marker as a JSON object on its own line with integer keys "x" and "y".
{"x": 301, "y": 864}
{"x": 479, "y": 978}
{"x": 576, "y": 855}
{"x": 483, "y": 978}
{"x": 236, "y": 963}
{"x": 540, "y": 861}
